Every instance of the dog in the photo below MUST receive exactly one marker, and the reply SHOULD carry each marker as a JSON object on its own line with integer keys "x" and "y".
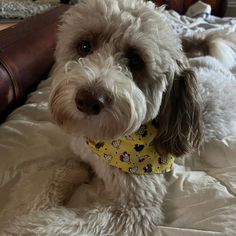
{"x": 119, "y": 68}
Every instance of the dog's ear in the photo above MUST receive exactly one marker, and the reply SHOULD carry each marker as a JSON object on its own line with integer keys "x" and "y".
{"x": 180, "y": 116}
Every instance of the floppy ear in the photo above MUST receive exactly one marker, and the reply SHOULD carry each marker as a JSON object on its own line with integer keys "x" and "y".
{"x": 180, "y": 116}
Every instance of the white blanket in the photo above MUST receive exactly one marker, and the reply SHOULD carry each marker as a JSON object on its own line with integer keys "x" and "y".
{"x": 185, "y": 25}
{"x": 201, "y": 199}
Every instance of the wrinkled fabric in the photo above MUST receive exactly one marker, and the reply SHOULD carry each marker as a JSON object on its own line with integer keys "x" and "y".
{"x": 185, "y": 25}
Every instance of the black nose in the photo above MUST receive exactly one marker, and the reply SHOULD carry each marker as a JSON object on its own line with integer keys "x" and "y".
{"x": 90, "y": 102}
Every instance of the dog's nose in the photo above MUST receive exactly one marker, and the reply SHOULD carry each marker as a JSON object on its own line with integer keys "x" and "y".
{"x": 91, "y": 103}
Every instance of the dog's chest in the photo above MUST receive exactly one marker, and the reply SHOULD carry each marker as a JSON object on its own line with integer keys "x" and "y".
{"x": 89, "y": 194}
{"x": 111, "y": 186}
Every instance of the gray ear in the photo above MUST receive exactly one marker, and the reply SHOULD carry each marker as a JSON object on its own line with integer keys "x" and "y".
{"x": 180, "y": 117}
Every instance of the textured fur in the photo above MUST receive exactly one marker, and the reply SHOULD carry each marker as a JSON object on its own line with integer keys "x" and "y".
{"x": 220, "y": 44}
{"x": 188, "y": 103}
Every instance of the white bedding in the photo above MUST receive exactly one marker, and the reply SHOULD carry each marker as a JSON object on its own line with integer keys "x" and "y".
{"x": 201, "y": 199}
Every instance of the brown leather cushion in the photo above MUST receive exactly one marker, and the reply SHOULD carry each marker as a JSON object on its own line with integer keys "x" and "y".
{"x": 26, "y": 56}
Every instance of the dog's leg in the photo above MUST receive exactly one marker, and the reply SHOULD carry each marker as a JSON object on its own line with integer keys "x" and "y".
{"x": 135, "y": 217}
{"x": 42, "y": 186}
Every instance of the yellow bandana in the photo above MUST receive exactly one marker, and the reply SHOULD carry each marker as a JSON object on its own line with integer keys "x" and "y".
{"x": 134, "y": 153}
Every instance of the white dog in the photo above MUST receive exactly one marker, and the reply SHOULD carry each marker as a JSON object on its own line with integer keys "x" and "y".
{"x": 119, "y": 66}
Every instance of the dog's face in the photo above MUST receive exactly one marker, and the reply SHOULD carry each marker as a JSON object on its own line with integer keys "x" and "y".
{"x": 114, "y": 61}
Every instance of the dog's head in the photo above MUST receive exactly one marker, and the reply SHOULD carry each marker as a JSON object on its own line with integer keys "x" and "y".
{"x": 119, "y": 65}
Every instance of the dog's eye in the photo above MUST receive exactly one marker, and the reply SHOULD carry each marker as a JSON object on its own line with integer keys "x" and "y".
{"x": 134, "y": 60}
{"x": 84, "y": 48}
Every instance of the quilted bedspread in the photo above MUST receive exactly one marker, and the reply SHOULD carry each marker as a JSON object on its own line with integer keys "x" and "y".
{"x": 201, "y": 198}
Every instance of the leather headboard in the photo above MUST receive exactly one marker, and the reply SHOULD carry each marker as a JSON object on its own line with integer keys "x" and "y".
{"x": 26, "y": 56}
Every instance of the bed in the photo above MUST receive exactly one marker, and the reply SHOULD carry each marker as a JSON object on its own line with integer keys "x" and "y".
{"x": 201, "y": 198}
